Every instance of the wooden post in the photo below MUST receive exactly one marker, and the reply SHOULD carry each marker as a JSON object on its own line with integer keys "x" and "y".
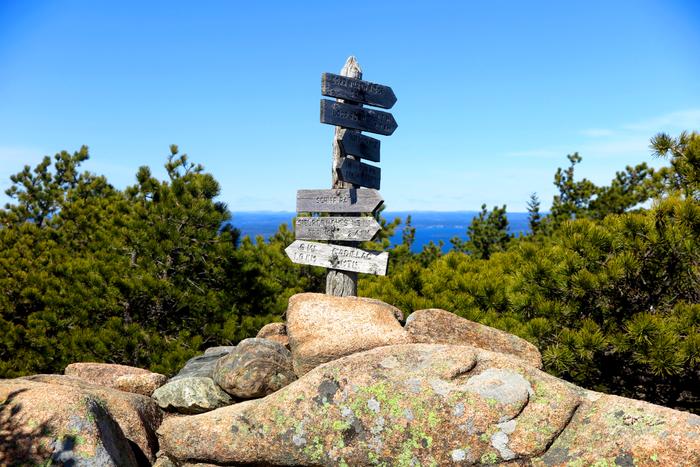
{"x": 343, "y": 283}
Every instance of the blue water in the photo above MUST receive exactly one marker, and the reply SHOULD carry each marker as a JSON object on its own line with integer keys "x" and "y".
{"x": 430, "y": 225}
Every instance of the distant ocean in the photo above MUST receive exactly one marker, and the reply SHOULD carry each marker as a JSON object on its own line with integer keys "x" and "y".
{"x": 430, "y": 225}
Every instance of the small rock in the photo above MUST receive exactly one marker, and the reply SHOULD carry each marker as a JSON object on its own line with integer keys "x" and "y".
{"x": 103, "y": 374}
{"x": 272, "y": 329}
{"x": 256, "y": 368}
{"x": 191, "y": 395}
{"x": 220, "y": 350}
{"x": 201, "y": 365}
{"x": 275, "y": 332}
{"x": 436, "y": 326}
{"x": 140, "y": 384}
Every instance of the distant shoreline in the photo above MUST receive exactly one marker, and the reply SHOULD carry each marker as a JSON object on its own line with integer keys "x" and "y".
{"x": 430, "y": 226}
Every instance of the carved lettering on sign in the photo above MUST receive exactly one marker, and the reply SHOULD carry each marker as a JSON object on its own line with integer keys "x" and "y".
{"x": 354, "y": 143}
{"x": 336, "y": 228}
{"x": 357, "y": 90}
{"x": 338, "y": 257}
{"x": 358, "y": 118}
{"x": 338, "y": 200}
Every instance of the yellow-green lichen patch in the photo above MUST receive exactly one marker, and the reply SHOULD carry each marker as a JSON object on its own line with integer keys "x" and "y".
{"x": 314, "y": 450}
{"x": 489, "y": 458}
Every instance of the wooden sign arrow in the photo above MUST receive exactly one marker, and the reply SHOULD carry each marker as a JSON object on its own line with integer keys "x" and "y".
{"x": 357, "y": 90}
{"x": 337, "y": 228}
{"x": 357, "y": 173}
{"x": 338, "y": 257}
{"x": 356, "y": 144}
{"x": 338, "y": 200}
{"x": 358, "y": 118}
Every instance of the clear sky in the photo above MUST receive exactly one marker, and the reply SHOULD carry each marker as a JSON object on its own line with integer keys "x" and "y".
{"x": 492, "y": 95}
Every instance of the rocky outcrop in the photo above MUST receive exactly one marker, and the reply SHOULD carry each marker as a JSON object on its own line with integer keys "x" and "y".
{"x": 442, "y": 327}
{"x": 431, "y": 404}
{"x": 138, "y": 416}
{"x": 322, "y": 328}
{"x": 191, "y": 395}
{"x": 275, "y": 332}
{"x": 256, "y": 368}
{"x": 370, "y": 392}
{"x": 49, "y": 424}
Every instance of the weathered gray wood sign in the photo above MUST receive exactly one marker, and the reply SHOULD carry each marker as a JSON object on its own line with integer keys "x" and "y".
{"x": 356, "y": 144}
{"x": 346, "y": 200}
{"x": 357, "y": 229}
{"x": 358, "y": 173}
{"x": 356, "y": 117}
{"x": 357, "y": 90}
{"x": 338, "y": 257}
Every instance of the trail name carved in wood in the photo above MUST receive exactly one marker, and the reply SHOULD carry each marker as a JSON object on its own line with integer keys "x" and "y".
{"x": 358, "y": 118}
{"x": 357, "y": 90}
{"x": 340, "y": 200}
{"x": 338, "y": 257}
{"x": 336, "y": 228}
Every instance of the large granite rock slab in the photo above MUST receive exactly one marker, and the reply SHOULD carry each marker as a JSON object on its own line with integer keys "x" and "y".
{"x": 191, "y": 395}
{"x": 401, "y": 403}
{"x": 438, "y": 326}
{"x": 47, "y": 424}
{"x": 322, "y": 328}
{"x": 615, "y": 431}
{"x": 256, "y": 368}
{"x": 138, "y": 416}
{"x": 433, "y": 404}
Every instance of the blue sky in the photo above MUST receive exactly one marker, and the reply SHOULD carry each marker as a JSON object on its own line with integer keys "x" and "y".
{"x": 491, "y": 95}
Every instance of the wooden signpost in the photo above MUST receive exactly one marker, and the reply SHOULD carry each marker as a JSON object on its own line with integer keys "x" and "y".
{"x": 354, "y": 191}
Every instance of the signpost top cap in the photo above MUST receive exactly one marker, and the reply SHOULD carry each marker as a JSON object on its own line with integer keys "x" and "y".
{"x": 351, "y": 68}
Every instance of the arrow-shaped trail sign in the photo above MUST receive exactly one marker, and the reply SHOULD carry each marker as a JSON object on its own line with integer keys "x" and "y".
{"x": 358, "y": 118}
{"x": 358, "y": 229}
{"x": 338, "y": 257}
{"x": 357, "y": 90}
{"x": 338, "y": 200}
{"x": 356, "y": 144}
{"x": 357, "y": 173}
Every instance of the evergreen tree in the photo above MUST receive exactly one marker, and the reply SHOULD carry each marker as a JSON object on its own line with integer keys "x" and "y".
{"x": 487, "y": 234}
{"x": 683, "y": 152}
{"x": 533, "y": 208}
{"x": 408, "y": 234}
{"x": 145, "y": 276}
{"x": 574, "y": 196}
